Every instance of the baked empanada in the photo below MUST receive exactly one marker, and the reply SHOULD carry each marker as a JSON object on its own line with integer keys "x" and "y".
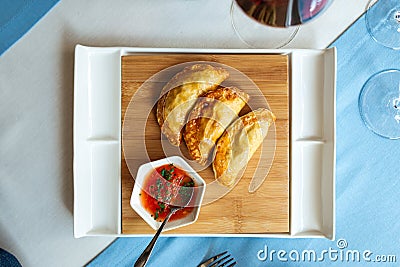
{"x": 211, "y": 115}
{"x": 180, "y": 95}
{"x": 238, "y": 144}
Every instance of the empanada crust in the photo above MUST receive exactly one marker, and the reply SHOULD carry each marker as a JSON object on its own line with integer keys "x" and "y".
{"x": 238, "y": 144}
{"x": 180, "y": 94}
{"x": 211, "y": 115}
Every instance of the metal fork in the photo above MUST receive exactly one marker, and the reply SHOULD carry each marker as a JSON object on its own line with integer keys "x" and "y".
{"x": 219, "y": 260}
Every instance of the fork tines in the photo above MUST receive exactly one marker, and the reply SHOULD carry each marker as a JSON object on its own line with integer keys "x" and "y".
{"x": 220, "y": 260}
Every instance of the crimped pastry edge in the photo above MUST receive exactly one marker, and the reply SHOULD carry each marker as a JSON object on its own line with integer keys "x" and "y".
{"x": 195, "y": 116}
{"x": 247, "y": 119}
{"x": 160, "y": 114}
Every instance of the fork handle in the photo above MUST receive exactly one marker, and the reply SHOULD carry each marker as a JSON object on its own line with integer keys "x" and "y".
{"x": 141, "y": 261}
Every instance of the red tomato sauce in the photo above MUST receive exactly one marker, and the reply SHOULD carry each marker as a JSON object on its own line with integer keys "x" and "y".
{"x": 161, "y": 185}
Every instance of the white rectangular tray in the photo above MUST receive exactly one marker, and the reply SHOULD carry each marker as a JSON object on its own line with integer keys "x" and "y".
{"x": 97, "y": 138}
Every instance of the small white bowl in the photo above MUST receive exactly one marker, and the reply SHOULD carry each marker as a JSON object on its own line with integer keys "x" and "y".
{"x": 144, "y": 170}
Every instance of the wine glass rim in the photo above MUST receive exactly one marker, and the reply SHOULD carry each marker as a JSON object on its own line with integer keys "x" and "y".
{"x": 369, "y": 27}
{"x": 279, "y": 46}
{"x": 360, "y": 96}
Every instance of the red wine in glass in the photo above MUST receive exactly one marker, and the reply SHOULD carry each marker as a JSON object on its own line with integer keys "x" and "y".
{"x": 272, "y": 23}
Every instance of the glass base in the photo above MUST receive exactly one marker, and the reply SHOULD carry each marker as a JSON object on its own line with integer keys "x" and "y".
{"x": 383, "y": 22}
{"x": 379, "y": 104}
{"x": 257, "y": 35}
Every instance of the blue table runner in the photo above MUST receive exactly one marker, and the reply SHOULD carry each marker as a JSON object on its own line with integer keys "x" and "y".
{"x": 18, "y": 16}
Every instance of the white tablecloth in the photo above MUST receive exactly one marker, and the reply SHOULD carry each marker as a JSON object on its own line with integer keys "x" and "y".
{"x": 36, "y": 94}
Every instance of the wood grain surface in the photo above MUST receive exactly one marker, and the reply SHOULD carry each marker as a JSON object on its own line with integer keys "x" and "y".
{"x": 238, "y": 212}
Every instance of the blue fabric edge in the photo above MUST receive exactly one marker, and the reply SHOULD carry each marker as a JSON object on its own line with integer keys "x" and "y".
{"x": 22, "y": 22}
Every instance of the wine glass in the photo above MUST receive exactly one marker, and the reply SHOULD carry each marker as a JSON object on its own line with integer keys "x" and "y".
{"x": 383, "y": 22}
{"x": 379, "y": 100}
{"x": 379, "y": 103}
{"x": 272, "y": 23}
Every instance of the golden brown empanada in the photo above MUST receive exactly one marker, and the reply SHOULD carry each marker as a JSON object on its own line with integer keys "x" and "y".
{"x": 211, "y": 115}
{"x": 180, "y": 95}
{"x": 238, "y": 144}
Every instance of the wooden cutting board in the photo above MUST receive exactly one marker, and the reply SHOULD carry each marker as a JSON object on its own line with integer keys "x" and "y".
{"x": 239, "y": 212}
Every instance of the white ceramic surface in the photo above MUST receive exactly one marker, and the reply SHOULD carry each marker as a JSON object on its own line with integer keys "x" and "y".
{"x": 312, "y": 144}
